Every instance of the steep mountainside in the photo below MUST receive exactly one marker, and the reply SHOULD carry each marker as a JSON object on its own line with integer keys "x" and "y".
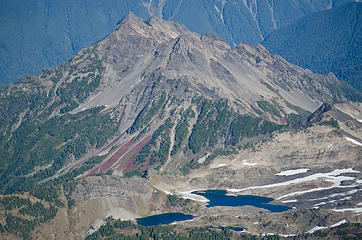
{"x": 40, "y": 34}
{"x": 328, "y": 41}
{"x": 129, "y": 125}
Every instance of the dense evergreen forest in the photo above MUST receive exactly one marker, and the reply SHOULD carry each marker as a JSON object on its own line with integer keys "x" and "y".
{"x": 327, "y": 41}
{"x": 117, "y": 229}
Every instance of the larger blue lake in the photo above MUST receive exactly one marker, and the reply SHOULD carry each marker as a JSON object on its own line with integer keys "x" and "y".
{"x": 219, "y": 198}
{"x": 165, "y": 218}
{"x": 216, "y": 198}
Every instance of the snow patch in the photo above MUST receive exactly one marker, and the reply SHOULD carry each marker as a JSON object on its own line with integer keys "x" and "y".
{"x": 319, "y": 204}
{"x": 267, "y": 234}
{"x": 288, "y": 235}
{"x": 292, "y": 172}
{"x": 95, "y": 226}
{"x": 220, "y": 13}
{"x": 330, "y": 4}
{"x": 332, "y": 176}
{"x": 195, "y": 197}
{"x": 342, "y": 194}
{"x": 356, "y": 210}
{"x": 290, "y": 201}
{"x": 245, "y": 163}
{"x": 316, "y": 228}
{"x": 353, "y": 141}
{"x": 345, "y": 198}
{"x": 202, "y": 159}
{"x": 339, "y": 223}
{"x": 221, "y": 165}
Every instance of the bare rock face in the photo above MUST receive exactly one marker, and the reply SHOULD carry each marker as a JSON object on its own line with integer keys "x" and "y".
{"x": 137, "y": 47}
{"x": 315, "y": 117}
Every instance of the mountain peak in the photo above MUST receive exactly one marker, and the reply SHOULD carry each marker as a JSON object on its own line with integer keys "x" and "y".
{"x": 245, "y": 74}
{"x": 131, "y": 17}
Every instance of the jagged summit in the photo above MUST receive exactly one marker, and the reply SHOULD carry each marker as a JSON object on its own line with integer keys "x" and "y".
{"x": 152, "y": 24}
{"x": 245, "y": 74}
{"x": 131, "y": 17}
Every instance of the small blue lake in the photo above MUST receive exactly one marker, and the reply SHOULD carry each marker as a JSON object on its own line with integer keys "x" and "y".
{"x": 219, "y": 198}
{"x": 165, "y": 218}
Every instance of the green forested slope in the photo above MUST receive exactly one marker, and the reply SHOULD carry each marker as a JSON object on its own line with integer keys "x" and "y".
{"x": 328, "y": 41}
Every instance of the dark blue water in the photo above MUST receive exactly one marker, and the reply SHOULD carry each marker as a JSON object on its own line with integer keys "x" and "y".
{"x": 165, "y": 218}
{"x": 219, "y": 198}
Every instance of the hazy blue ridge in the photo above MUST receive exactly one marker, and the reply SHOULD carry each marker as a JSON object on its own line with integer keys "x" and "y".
{"x": 38, "y": 34}
{"x": 327, "y": 41}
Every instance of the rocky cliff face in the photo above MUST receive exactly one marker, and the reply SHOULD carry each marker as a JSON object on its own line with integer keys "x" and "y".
{"x": 155, "y": 109}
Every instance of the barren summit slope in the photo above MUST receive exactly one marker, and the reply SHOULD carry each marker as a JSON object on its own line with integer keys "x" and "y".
{"x": 137, "y": 47}
{"x": 154, "y": 109}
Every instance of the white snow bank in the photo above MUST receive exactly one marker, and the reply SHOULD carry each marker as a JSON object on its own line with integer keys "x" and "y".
{"x": 290, "y": 201}
{"x": 356, "y": 210}
{"x": 222, "y": 165}
{"x": 316, "y": 228}
{"x": 332, "y": 176}
{"x": 353, "y": 141}
{"x": 339, "y": 223}
{"x": 245, "y": 163}
{"x": 292, "y": 172}
{"x": 319, "y": 204}
{"x": 342, "y": 194}
{"x": 195, "y": 197}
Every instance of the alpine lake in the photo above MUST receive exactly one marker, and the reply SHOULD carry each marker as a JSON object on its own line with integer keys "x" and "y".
{"x": 216, "y": 198}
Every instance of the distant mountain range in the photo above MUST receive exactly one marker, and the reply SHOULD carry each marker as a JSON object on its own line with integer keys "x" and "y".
{"x": 39, "y": 34}
{"x": 326, "y": 41}
{"x": 129, "y": 125}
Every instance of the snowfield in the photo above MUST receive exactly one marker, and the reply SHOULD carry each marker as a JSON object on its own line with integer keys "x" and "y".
{"x": 290, "y": 201}
{"x": 316, "y": 228}
{"x": 251, "y": 164}
{"x": 333, "y": 176}
{"x": 292, "y": 172}
{"x": 356, "y": 210}
{"x": 339, "y": 223}
{"x": 195, "y": 197}
{"x": 353, "y": 141}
